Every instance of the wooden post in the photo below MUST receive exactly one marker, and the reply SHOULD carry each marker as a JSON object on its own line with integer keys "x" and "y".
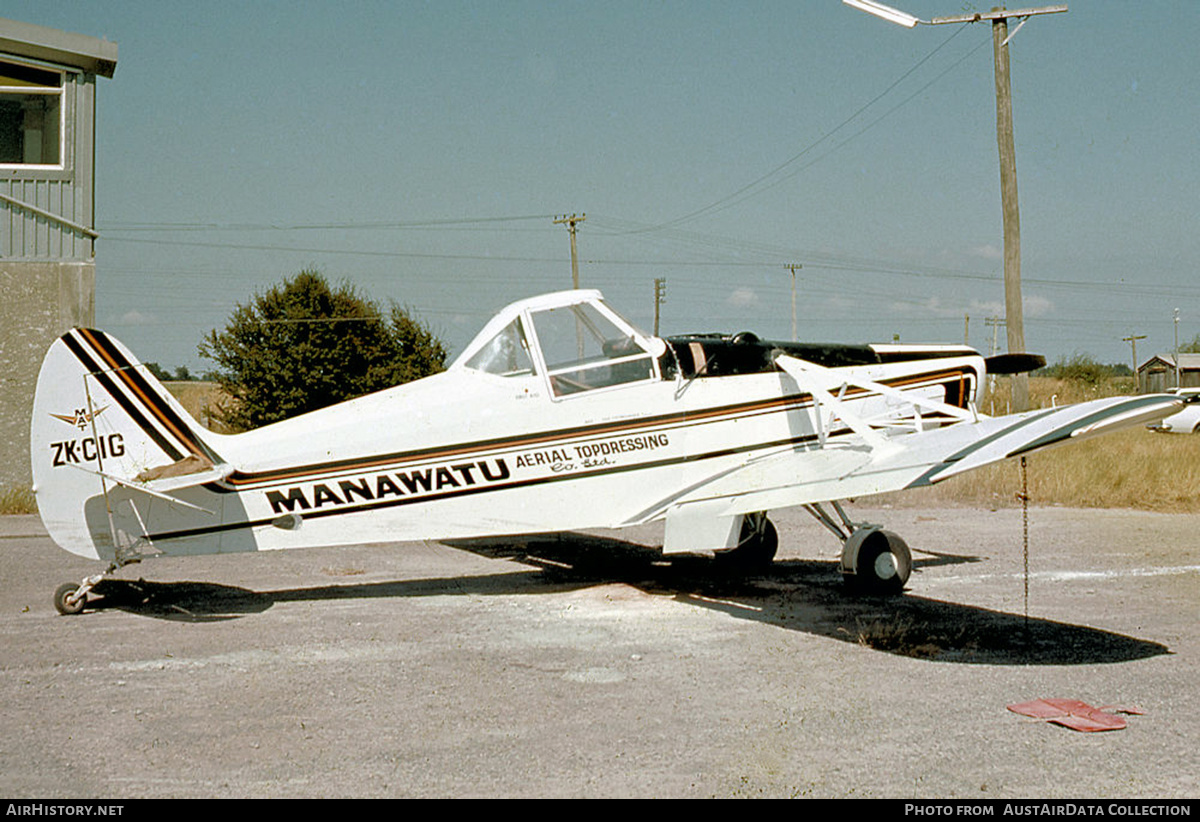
{"x": 1013, "y": 310}
{"x": 1132, "y": 340}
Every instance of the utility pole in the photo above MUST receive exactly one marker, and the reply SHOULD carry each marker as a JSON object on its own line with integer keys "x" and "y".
{"x": 660, "y": 296}
{"x": 1176, "y": 347}
{"x": 999, "y": 17}
{"x": 793, "y": 267}
{"x": 1014, "y": 311}
{"x": 995, "y": 323}
{"x": 571, "y": 222}
{"x": 966, "y": 329}
{"x": 1132, "y": 340}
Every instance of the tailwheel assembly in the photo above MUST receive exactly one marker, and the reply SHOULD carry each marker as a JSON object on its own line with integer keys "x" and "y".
{"x": 71, "y": 597}
{"x": 66, "y": 599}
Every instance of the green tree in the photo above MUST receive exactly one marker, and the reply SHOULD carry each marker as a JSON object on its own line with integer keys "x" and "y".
{"x": 180, "y": 374}
{"x": 1192, "y": 347}
{"x": 304, "y": 345}
{"x": 1078, "y": 367}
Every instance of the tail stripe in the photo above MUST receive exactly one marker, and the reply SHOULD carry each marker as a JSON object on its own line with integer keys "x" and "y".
{"x": 118, "y": 376}
{"x": 135, "y": 413}
{"x": 134, "y": 380}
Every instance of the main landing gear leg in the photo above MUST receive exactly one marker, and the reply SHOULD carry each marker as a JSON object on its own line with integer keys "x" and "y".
{"x": 757, "y": 543}
{"x": 874, "y": 561}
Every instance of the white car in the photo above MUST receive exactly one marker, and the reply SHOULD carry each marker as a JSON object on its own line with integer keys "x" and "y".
{"x": 1186, "y": 421}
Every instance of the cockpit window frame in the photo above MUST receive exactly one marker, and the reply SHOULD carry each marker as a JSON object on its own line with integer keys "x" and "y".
{"x": 607, "y": 369}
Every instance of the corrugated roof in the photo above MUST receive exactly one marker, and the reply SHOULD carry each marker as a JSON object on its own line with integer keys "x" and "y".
{"x": 1187, "y": 362}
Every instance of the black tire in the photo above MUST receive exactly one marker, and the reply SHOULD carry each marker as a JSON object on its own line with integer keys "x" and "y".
{"x": 883, "y": 565}
{"x": 757, "y": 545}
{"x": 60, "y": 599}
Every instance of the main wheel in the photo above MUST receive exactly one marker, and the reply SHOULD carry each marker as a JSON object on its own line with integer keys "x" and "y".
{"x": 62, "y": 602}
{"x": 876, "y": 562}
{"x": 757, "y": 543}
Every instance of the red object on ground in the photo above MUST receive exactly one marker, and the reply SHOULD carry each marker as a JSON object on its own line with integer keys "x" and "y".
{"x": 1073, "y": 714}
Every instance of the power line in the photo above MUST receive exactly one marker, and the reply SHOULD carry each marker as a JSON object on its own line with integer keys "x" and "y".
{"x": 747, "y": 190}
{"x": 464, "y": 222}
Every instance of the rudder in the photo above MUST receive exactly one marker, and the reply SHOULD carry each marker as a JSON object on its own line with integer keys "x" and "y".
{"x": 98, "y": 413}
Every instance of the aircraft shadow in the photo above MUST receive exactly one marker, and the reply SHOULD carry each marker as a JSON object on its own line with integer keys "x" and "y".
{"x": 178, "y": 601}
{"x": 809, "y": 596}
{"x": 800, "y": 595}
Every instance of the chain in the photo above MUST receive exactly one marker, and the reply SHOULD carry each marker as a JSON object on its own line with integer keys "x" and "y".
{"x": 1025, "y": 534}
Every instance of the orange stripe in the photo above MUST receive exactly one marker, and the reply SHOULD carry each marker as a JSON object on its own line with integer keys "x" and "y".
{"x": 238, "y": 479}
{"x": 150, "y": 404}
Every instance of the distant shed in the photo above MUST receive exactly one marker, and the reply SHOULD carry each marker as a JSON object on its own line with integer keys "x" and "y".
{"x": 47, "y": 209}
{"x": 1158, "y": 373}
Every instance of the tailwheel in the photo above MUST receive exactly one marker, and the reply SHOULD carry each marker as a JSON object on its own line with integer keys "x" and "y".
{"x": 68, "y": 599}
{"x": 757, "y": 543}
{"x": 876, "y": 562}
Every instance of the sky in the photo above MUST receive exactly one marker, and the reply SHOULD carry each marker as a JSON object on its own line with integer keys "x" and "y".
{"x": 422, "y": 150}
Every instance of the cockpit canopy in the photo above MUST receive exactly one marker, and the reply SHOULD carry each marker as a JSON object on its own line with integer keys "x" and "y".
{"x": 572, "y": 338}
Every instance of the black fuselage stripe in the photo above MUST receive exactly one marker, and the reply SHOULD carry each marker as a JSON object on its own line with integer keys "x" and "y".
{"x": 133, "y": 409}
{"x": 478, "y": 449}
{"x": 531, "y": 440}
{"x": 506, "y": 486}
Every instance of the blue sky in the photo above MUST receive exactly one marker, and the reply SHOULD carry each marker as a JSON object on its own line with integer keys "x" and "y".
{"x": 422, "y": 150}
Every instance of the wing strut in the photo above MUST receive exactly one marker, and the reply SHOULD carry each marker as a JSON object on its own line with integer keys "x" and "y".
{"x": 821, "y": 382}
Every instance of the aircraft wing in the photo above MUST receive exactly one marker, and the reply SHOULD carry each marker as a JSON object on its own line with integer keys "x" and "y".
{"x": 1025, "y": 433}
{"x": 851, "y": 465}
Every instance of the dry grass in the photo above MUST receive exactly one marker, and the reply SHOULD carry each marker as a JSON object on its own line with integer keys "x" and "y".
{"x": 903, "y": 635}
{"x": 200, "y": 399}
{"x": 17, "y": 499}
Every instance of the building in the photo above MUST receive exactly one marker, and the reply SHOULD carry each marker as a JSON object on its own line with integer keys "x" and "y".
{"x": 1157, "y": 374}
{"x": 47, "y": 209}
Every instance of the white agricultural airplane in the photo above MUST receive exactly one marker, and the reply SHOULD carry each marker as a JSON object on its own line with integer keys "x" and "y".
{"x": 560, "y": 415}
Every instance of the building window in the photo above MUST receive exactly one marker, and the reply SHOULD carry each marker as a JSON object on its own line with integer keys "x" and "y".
{"x": 31, "y": 116}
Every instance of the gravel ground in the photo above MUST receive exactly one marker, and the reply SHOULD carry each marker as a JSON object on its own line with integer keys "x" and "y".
{"x": 579, "y": 666}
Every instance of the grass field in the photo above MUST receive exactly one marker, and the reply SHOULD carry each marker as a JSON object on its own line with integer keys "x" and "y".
{"x": 1130, "y": 469}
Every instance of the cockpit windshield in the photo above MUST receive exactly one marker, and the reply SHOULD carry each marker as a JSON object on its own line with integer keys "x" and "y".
{"x": 572, "y": 338}
{"x": 583, "y": 350}
{"x": 506, "y": 354}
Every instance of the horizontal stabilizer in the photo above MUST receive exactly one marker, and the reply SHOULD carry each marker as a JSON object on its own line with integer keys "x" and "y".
{"x": 144, "y": 487}
{"x": 185, "y": 473}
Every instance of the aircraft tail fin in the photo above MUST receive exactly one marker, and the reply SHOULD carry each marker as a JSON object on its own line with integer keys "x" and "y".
{"x": 101, "y": 419}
